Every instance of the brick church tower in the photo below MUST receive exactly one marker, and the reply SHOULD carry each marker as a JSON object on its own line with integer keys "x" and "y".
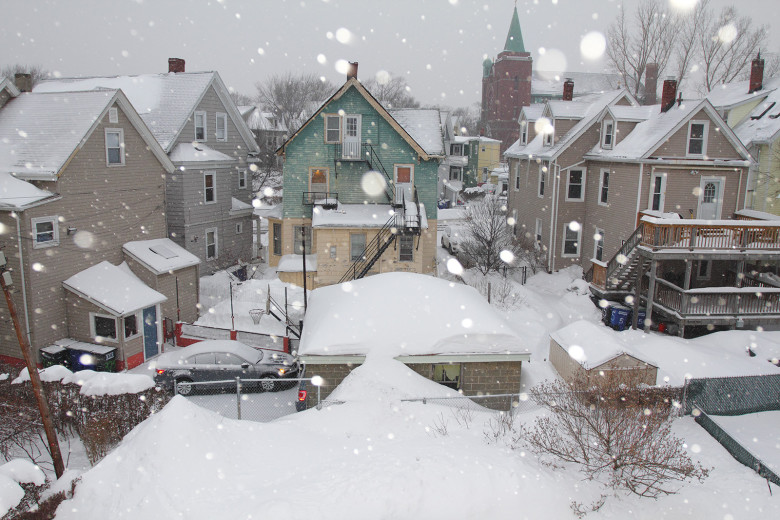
{"x": 506, "y": 87}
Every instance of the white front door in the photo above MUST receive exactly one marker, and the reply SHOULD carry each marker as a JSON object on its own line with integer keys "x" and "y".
{"x": 710, "y": 198}
{"x": 351, "y": 142}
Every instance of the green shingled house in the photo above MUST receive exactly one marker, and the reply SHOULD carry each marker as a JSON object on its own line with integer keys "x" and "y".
{"x": 360, "y": 191}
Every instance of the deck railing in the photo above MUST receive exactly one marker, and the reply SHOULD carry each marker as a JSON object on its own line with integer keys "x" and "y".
{"x": 718, "y": 301}
{"x": 737, "y": 235}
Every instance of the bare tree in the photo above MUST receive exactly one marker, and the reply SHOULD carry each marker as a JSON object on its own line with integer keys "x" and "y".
{"x": 727, "y": 44}
{"x": 241, "y": 99}
{"x": 615, "y": 432}
{"x": 293, "y": 98}
{"x": 391, "y": 92}
{"x": 486, "y": 234}
{"x": 466, "y": 119}
{"x": 650, "y": 38}
{"x": 37, "y": 72}
{"x": 689, "y": 38}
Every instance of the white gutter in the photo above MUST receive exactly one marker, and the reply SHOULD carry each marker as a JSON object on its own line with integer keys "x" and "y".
{"x": 554, "y": 210}
{"x": 21, "y": 270}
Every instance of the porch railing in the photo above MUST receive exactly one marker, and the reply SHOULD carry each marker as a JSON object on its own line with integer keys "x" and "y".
{"x": 718, "y": 301}
{"x": 737, "y": 235}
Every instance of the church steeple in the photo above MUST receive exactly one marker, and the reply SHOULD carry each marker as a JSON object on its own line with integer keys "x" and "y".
{"x": 514, "y": 39}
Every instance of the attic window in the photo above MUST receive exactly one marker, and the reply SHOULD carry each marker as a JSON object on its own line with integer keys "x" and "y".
{"x": 200, "y": 126}
{"x": 332, "y": 129}
{"x": 163, "y": 251}
{"x": 608, "y": 134}
{"x": 523, "y": 132}
{"x": 697, "y": 138}
{"x": 113, "y": 115}
{"x": 221, "y": 127}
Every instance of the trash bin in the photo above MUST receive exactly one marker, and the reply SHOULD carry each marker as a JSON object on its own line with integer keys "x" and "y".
{"x": 84, "y": 356}
{"x": 619, "y": 317}
{"x": 641, "y": 315}
{"x": 55, "y": 355}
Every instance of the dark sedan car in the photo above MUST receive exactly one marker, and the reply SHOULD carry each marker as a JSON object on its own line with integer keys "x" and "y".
{"x": 224, "y": 360}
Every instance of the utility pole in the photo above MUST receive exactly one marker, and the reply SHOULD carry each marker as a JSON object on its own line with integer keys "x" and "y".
{"x": 35, "y": 380}
{"x": 303, "y": 241}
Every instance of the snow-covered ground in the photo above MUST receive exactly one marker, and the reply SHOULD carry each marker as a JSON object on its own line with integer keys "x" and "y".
{"x": 378, "y": 456}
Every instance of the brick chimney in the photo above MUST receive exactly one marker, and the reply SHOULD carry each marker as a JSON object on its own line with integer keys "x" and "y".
{"x": 175, "y": 65}
{"x": 23, "y": 82}
{"x": 352, "y": 70}
{"x": 651, "y": 84}
{"x": 568, "y": 89}
{"x": 756, "y": 74}
{"x": 668, "y": 94}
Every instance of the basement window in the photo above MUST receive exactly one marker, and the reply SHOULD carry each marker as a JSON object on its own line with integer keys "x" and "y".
{"x": 447, "y": 375}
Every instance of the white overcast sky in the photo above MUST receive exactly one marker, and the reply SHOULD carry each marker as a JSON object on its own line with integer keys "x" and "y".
{"x": 438, "y": 45}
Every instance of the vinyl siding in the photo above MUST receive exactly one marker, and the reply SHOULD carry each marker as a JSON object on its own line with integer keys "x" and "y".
{"x": 188, "y": 214}
{"x": 188, "y": 286}
{"x": 107, "y": 205}
{"x": 718, "y": 146}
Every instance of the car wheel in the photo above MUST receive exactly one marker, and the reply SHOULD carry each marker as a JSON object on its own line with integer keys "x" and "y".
{"x": 184, "y": 386}
{"x": 268, "y": 384}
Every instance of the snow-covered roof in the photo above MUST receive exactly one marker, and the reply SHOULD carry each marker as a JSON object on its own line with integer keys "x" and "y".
{"x": 592, "y": 345}
{"x": 352, "y": 215}
{"x": 424, "y": 126}
{"x": 536, "y": 146}
{"x": 8, "y": 85}
{"x": 15, "y": 193}
{"x": 532, "y": 112}
{"x": 257, "y": 119}
{"x": 39, "y": 133}
{"x": 198, "y": 152}
{"x": 240, "y": 207}
{"x": 404, "y": 314}
{"x": 568, "y": 109}
{"x": 160, "y": 255}
{"x": 762, "y": 124}
{"x": 730, "y": 95}
{"x": 165, "y": 102}
{"x": 632, "y": 113}
{"x": 113, "y": 288}
{"x": 546, "y": 83}
{"x": 294, "y": 263}
{"x": 758, "y": 215}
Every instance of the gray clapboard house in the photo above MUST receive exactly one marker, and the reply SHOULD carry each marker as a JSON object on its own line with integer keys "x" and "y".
{"x": 208, "y": 196}
{"x": 81, "y": 176}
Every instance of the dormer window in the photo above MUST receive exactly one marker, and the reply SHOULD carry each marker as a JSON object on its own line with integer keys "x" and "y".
{"x": 456, "y": 149}
{"x": 548, "y": 137}
{"x": 607, "y": 133}
{"x": 697, "y": 138}
{"x": 523, "y": 131}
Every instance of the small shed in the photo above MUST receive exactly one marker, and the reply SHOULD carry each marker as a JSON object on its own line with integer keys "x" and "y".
{"x": 442, "y": 330}
{"x": 170, "y": 270}
{"x": 108, "y": 305}
{"x": 585, "y": 352}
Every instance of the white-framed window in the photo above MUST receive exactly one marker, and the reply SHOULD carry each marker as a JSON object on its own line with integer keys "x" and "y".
{"x": 332, "y": 128}
{"x": 575, "y": 186}
{"x": 657, "y": 192}
{"x": 697, "y": 138}
{"x": 456, "y": 149}
{"x": 211, "y": 244}
{"x": 538, "y": 233}
{"x": 239, "y": 228}
{"x": 46, "y": 231}
{"x": 607, "y": 133}
{"x": 277, "y": 238}
{"x": 103, "y": 327}
{"x": 571, "y": 240}
{"x": 598, "y": 245}
{"x": 113, "y": 115}
{"x": 209, "y": 187}
{"x": 357, "y": 244}
{"x": 523, "y": 131}
{"x": 200, "y": 126}
{"x": 333, "y": 252}
{"x": 241, "y": 179}
{"x": 301, "y": 233}
{"x": 456, "y": 173}
{"x": 220, "y": 131}
{"x": 604, "y": 187}
{"x": 131, "y": 328}
{"x": 549, "y": 134}
{"x": 406, "y": 248}
{"x": 517, "y": 176}
{"x": 115, "y": 147}
{"x": 542, "y": 175}
{"x": 318, "y": 182}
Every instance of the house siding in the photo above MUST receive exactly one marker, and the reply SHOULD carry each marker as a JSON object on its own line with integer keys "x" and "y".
{"x": 186, "y": 297}
{"x": 718, "y": 146}
{"x": 189, "y": 216}
{"x": 108, "y": 206}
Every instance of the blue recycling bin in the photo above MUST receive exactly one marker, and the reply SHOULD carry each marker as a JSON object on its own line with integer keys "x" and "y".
{"x": 619, "y": 317}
